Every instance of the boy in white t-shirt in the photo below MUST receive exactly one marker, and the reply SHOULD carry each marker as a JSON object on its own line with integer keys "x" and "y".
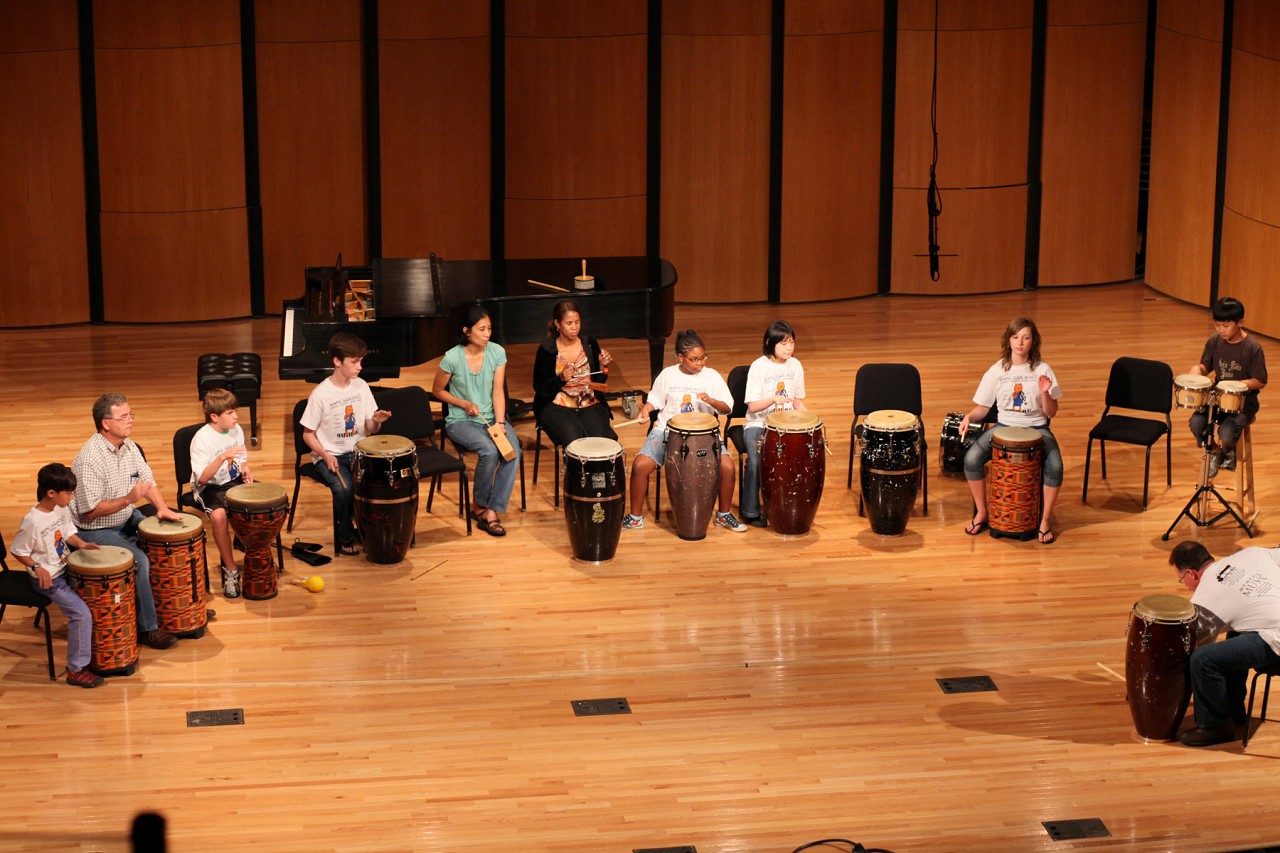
{"x": 219, "y": 461}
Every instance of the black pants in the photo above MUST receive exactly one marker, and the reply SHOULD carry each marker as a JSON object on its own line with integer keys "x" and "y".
{"x": 565, "y": 425}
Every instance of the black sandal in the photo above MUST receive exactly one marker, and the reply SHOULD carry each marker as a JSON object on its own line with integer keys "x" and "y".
{"x": 495, "y": 528}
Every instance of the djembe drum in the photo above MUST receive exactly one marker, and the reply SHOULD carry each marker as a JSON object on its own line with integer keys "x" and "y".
{"x": 692, "y": 462}
{"x": 889, "y": 469}
{"x": 594, "y": 479}
{"x": 179, "y": 573}
{"x": 257, "y": 512}
{"x": 386, "y": 493}
{"x": 793, "y": 469}
{"x": 104, "y": 578}
{"x": 1161, "y": 636}
{"x": 1015, "y": 481}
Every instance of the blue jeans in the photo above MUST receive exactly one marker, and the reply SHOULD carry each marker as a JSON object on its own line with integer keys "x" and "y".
{"x": 79, "y": 620}
{"x": 126, "y": 536}
{"x": 749, "y": 496}
{"x": 343, "y": 490}
{"x": 1218, "y": 673}
{"x": 980, "y": 454}
{"x": 494, "y": 477}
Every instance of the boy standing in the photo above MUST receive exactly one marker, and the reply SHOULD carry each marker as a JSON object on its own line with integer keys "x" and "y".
{"x": 219, "y": 461}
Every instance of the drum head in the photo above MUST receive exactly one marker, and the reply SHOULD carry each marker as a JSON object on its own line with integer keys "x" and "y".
{"x": 164, "y": 531}
{"x": 1164, "y": 608}
{"x": 891, "y": 420}
{"x": 694, "y": 422}
{"x": 385, "y": 445}
{"x": 1016, "y": 437}
{"x": 100, "y": 562}
{"x": 593, "y": 448}
{"x": 1232, "y": 386}
{"x": 1191, "y": 380}
{"x": 791, "y": 420}
{"x": 256, "y": 495}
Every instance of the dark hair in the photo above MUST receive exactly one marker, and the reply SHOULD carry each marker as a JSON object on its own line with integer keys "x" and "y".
{"x": 345, "y": 345}
{"x": 217, "y": 401}
{"x": 687, "y": 340}
{"x": 103, "y": 405}
{"x": 778, "y": 331}
{"x": 54, "y": 477}
{"x": 1006, "y": 351}
{"x": 1228, "y": 309}
{"x": 563, "y": 307}
{"x": 474, "y": 314}
{"x": 1189, "y": 556}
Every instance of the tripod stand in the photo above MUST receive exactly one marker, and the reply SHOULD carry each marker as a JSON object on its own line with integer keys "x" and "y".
{"x": 1205, "y": 489}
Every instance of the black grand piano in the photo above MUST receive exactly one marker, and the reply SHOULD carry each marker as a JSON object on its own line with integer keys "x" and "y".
{"x": 415, "y": 306}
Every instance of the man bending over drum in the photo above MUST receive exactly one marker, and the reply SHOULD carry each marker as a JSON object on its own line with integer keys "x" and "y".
{"x": 1232, "y": 355}
{"x": 1242, "y": 595}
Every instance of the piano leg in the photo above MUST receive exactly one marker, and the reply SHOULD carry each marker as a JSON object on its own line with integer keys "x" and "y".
{"x": 657, "y": 354}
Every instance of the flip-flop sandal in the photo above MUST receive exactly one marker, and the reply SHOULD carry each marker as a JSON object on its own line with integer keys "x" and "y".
{"x": 976, "y": 527}
{"x": 349, "y": 549}
{"x": 1042, "y": 534}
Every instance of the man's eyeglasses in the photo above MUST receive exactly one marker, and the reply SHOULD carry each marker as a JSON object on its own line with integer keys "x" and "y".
{"x": 125, "y": 418}
{"x": 1182, "y": 574}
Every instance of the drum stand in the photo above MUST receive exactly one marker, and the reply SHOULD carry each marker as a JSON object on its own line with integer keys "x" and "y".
{"x": 1205, "y": 489}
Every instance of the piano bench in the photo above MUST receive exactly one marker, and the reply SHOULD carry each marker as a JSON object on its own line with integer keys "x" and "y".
{"x": 239, "y": 373}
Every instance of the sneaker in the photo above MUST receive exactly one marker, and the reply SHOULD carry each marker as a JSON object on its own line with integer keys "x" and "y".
{"x": 1229, "y": 461}
{"x": 230, "y": 582}
{"x": 84, "y": 678}
{"x": 728, "y": 522}
{"x": 755, "y": 520}
{"x": 1215, "y": 462}
{"x": 157, "y": 639}
{"x": 632, "y": 522}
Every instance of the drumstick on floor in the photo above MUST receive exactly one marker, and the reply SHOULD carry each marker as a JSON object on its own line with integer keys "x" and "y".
{"x": 1118, "y": 676}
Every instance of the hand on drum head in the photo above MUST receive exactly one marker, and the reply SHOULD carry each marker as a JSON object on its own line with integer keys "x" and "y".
{"x": 167, "y": 514}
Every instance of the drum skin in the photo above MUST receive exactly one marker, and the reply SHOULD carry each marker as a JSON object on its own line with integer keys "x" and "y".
{"x": 257, "y": 512}
{"x": 1161, "y": 637}
{"x": 692, "y": 463}
{"x": 890, "y": 470}
{"x": 594, "y": 480}
{"x": 1015, "y": 482}
{"x": 952, "y": 446}
{"x": 104, "y": 578}
{"x": 386, "y": 496}
{"x": 179, "y": 573}
{"x": 793, "y": 468}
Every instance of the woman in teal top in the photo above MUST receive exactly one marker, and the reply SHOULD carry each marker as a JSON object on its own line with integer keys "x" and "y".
{"x": 472, "y": 381}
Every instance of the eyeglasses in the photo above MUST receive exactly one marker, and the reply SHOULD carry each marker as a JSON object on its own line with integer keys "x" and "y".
{"x": 1182, "y": 574}
{"x": 125, "y": 418}
{"x": 696, "y": 359}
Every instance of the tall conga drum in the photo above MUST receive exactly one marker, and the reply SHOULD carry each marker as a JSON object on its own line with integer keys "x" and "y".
{"x": 594, "y": 479}
{"x": 257, "y": 512}
{"x": 1157, "y": 658}
{"x": 890, "y": 469}
{"x": 793, "y": 469}
{"x": 692, "y": 463}
{"x": 179, "y": 573}
{"x": 104, "y": 578}
{"x": 1015, "y": 481}
{"x": 386, "y": 492}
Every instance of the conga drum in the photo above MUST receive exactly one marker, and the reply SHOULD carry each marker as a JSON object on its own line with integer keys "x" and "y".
{"x": 1230, "y": 394}
{"x": 594, "y": 479}
{"x": 257, "y": 512}
{"x": 953, "y": 446}
{"x": 386, "y": 492}
{"x": 890, "y": 469}
{"x": 1015, "y": 481}
{"x": 692, "y": 462}
{"x": 1191, "y": 391}
{"x": 1157, "y": 658}
{"x": 793, "y": 468}
{"x": 179, "y": 573}
{"x": 104, "y": 578}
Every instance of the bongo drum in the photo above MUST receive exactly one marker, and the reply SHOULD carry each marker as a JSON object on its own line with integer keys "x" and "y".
{"x": 692, "y": 460}
{"x": 386, "y": 492}
{"x": 594, "y": 477}
{"x": 257, "y": 512}
{"x": 1157, "y": 658}
{"x": 953, "y": 446}
{"x": 1014, "y": 482}
{"x": 890, "y": 469}
{"x": 104, "y": 578}
{"x": 1230, "y": 394}
{"x": 1191, "y": 391}
{"x": 793, "y": 468}
{"x": 179, "y": 573}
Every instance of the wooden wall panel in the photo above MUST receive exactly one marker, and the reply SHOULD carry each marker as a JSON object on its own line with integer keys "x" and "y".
{"x": 434, "y": 82}
{"x": 42, "y": 222}
{"x": 310, "y": 139}
{"x": 575, "y": 125}
{"x": 1184, "y": 145}
{"x": 1250, "y": 258}
{"x": 1253, "y": 181}
{"x": 171, "y": 152}
{"x": 1092, "y": 143}
{"x": 984, "y": 68}
{"x": 1256, "y": 28}
{"x": 715, "y": 150}
{"x": 831, "y": 149}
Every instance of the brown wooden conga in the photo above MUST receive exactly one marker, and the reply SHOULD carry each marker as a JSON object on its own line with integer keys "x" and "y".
{"x": 1015, "y": 481}
{"x": 179, "y": 573}
{"x": 793, "y": 469}
{"x": 257, "y": 512}
{"x": 104, "y": 578}
{"x": 1161, "y": 637}
{"x": 692, "y": 463}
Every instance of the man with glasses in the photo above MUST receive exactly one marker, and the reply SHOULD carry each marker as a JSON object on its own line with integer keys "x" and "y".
{"x": 112, "y": 476}
{"x": 1240, "y": 593}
